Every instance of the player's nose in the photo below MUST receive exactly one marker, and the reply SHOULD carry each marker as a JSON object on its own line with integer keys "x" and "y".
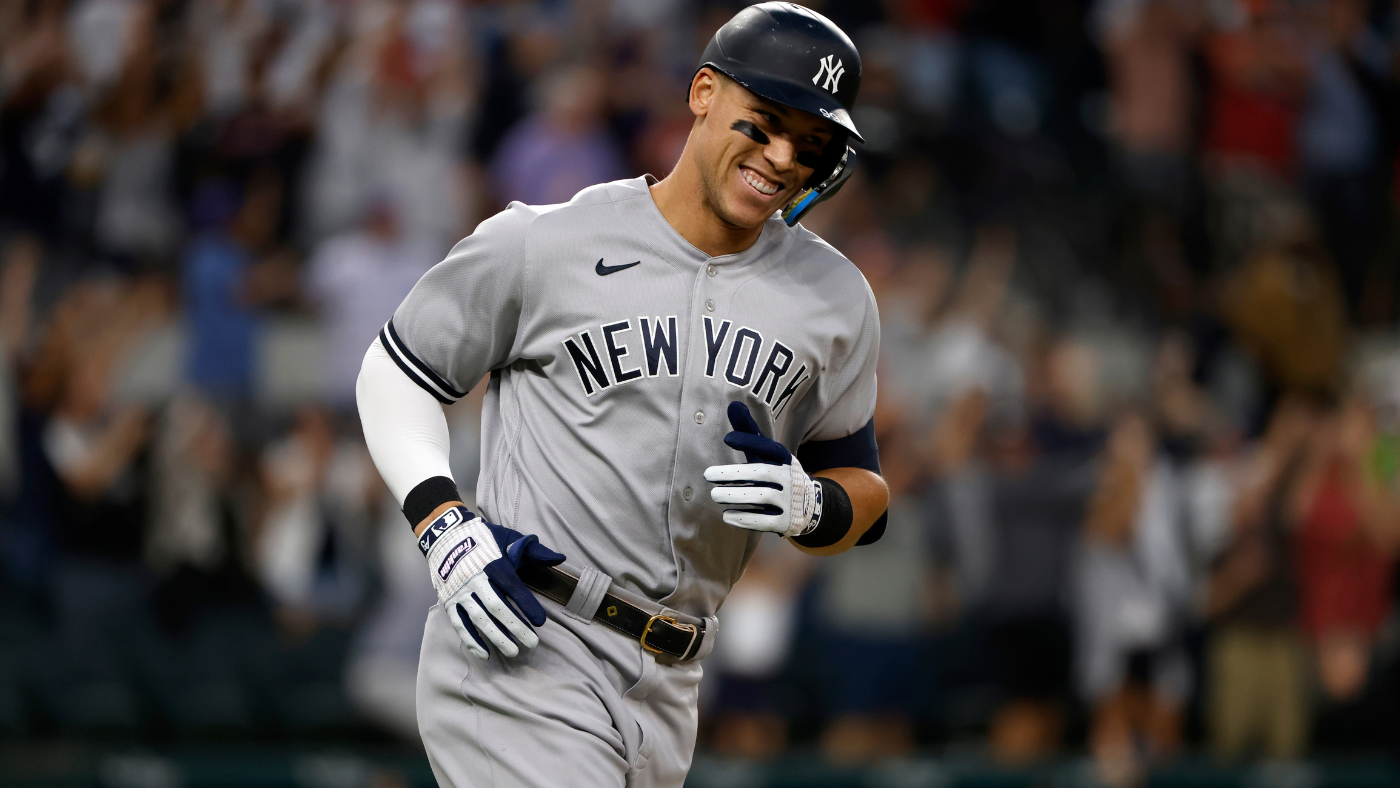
{"x": 781, "y": 153}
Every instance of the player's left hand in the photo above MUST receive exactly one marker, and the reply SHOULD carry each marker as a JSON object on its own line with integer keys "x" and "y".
{"x": 473, "y": 564}
{"x": 773, "y": 491}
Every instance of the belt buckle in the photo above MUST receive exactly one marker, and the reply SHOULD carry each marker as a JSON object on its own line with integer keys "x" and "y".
{"x": 694, "y": 633}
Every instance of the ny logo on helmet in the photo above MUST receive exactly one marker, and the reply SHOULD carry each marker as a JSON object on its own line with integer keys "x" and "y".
{"x": 833, "y": 73}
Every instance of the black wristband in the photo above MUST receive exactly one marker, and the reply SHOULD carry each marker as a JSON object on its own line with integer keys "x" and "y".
{"x": 428, "y": 496}
{"x": 836, "y": 517}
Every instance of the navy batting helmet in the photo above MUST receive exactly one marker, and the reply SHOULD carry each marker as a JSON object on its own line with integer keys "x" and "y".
{"x": 796, "y": 57}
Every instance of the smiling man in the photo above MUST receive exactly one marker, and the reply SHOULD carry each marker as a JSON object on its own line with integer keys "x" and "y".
{"x": 675, "y": 368}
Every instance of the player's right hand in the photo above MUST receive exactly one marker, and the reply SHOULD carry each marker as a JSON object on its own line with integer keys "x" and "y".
{"x": 473, "y": 565}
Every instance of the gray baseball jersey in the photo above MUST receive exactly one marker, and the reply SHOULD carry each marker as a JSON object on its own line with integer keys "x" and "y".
{"x": 614, "y": 348}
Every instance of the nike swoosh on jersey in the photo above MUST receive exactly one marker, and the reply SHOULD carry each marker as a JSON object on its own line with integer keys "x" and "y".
{"x": 604, "y": 270}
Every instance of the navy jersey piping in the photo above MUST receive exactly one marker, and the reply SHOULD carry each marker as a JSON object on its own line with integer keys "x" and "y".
{"x": 415, "y": 369}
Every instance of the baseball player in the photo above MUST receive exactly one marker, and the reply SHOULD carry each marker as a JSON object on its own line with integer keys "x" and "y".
{"x": 675, "y": 368}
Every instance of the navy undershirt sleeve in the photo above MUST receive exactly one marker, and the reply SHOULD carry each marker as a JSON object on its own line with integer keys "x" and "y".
{"x": 877, "y": 530}
{"x": 857, "y": 450}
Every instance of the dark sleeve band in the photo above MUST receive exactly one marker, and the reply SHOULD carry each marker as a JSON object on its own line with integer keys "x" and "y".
{"x": 857, "y": 450}
{"x": 415, "y": 369}
{"x": 836, "y": 517}
{"x": 877, "y": 530}
{"x": 428, "y": 495}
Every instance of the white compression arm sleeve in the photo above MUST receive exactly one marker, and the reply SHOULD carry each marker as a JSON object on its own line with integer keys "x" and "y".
{"x": 404, "y": 426}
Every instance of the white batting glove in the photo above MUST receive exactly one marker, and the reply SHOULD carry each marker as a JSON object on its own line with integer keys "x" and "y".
{"x": 776, "y": 494}
{"x": 781, "y": 499}
{"x": 473, "y": 581}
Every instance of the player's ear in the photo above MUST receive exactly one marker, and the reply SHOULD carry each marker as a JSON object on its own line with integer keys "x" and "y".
{"x": 704, "y": 88}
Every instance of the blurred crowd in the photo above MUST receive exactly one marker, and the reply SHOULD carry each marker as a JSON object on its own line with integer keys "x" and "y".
{"x": 1140, "y": 383}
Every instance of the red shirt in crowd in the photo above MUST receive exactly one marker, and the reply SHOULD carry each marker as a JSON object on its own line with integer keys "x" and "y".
{"x": 1253, "y": 104}
{"x": 1344, "y": 579}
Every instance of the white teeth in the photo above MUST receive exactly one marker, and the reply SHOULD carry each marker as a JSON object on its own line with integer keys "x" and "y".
{"x": 763, "y": 186}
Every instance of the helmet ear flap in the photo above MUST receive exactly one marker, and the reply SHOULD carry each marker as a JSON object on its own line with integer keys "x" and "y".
{"x": 824, "y": 182}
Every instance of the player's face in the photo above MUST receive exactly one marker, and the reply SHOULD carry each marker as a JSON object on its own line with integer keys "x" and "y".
{"x": 756, "y": 155}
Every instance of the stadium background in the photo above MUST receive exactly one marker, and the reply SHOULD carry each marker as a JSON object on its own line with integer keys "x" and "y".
{"x": 1140, "y": 387}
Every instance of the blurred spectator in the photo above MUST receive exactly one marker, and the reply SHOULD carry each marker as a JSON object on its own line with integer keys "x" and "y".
{"x": 1188, "y": 419}
{"x": 36, "y": 115}
{"x": 1148, "y": 47}
{"x": 1133, "y": 592}
{"x": 937, "y": 353}
{"x": 130, "y": 153}
{"x": 1024, "y": 508}
{"x": 193, "y": 457}
{"x": 1255, "y": 672}
{"x": 1346, "y": 541}
{"x": 1286, "y": 309}
{"x": 196, "y": 543}
{"x": 99, "y": 448}
{"x": 1037, "y": 504}
{"x": 958, "y": 457}
{"x": 391, "y": 124}
{"x": 228, "y": 31}
{"x": 1258, "y": 79}
{"x": 357, "y": 280}
{"x": 563, "y": 147}
{"x": 226, "y": 280}
{"x": 907, "y": 315}
{"x": 98, "y": 455}
{"x": 313, "y": 545}
{"x": 1340, "y": 138}
{"x": 102, "y": 34}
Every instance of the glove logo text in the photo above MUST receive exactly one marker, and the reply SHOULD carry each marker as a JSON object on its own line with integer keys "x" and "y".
{"x": 455, "y": 556}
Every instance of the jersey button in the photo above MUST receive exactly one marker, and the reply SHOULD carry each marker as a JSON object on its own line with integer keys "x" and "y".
{"x": 710, "y": 304}
{"x": 711, "y": 270}
{"x": 699, "y": 417}
{"x": 688, "y": 494}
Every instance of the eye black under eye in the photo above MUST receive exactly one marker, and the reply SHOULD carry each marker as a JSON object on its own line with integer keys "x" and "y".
{"x": 809, "y": 159}
{"x": 751, "y": 131}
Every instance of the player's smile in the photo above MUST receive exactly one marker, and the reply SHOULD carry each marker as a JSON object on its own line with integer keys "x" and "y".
{"x": 761, "y": 182}
{"x": 766, "y": 187}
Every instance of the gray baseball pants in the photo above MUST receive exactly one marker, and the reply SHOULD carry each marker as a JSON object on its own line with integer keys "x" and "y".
{"x": 586, "y": 708}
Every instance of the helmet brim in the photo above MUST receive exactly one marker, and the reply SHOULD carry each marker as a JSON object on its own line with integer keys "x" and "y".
{"x": 807, "y": 98}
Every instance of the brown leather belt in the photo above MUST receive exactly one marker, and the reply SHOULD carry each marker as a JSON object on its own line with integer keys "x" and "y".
{"x": 658, "y": 633}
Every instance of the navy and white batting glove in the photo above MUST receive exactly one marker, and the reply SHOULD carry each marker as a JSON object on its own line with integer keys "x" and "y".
{"x": 775, "y": 494}
{"x": 473, "y": 564}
